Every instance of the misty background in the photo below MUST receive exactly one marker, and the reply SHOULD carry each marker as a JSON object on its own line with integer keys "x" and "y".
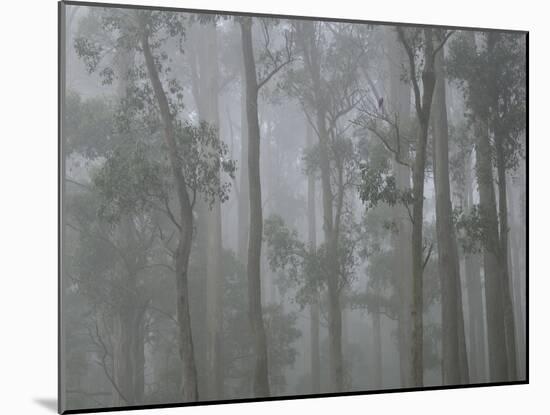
{"x": 265, "y": 207}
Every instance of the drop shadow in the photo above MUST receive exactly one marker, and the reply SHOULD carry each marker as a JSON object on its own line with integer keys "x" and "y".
{"x": 48, "y": 403}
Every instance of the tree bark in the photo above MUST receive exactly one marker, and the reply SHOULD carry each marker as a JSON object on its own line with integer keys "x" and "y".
{"x": 476, "y": 311}
{"x": 206, "y": 93}
{"x": 377, "y": 339}
{"x": 498, "y": 364}
{"x": 183, "y": 250}
{"x": 243, "y": 213}
{"x": 261, "y": 380}
{"x": 423, "y": 103}
{"x": 507, "y": 288}
{"x": 312, "y": 62}
{"x": 314, "y": 306}
{"x": 509, "y": 323}
{"x": 517, "y": 254}
{"x": 455, "y": 366}
{"x": 400, "y": 102}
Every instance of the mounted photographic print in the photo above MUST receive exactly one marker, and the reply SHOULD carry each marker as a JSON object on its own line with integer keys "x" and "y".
{"x": 257, "y": 207}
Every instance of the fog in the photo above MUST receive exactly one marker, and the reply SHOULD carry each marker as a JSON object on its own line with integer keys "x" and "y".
{"x": 258, "y": 207}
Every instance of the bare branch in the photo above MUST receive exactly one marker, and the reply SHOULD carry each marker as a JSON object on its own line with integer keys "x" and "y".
{"x": 428, "y": 256}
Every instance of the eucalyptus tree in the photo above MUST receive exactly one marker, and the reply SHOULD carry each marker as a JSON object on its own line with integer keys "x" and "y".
{"x": 195, "y": 153}
{"x": 205, "y": 73}
{"x": 326, "y": 85}
{"x": 421, "y": 51}
{"x": 454, "y": 358}
{"x": 492, "y": 77}
{"x": 274, "y": 58}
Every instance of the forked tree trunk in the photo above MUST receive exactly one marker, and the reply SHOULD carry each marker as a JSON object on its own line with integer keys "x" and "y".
{"x": 260, "y": 379}
{"x": 243, "y": 213}
{"x": 377, "y": 340}
{"x": 509, "y": 322}
{"x": 207, "y": 92}
{"x": 314, "y": 306}
{"x": 455, "y": 365}
{"x": 312, "y": 62}
{"x": 423, "y": 103}
{"x": 476, "y": 311}
{"x": 183, "y": 250}
{"x": 496, "y": 336}
{"x": 400, "y": 103}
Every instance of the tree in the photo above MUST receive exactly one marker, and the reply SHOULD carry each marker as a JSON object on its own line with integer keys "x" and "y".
{"x": 493, "y": 87}
{"x": 400, "y": 96}
{"x": 192, "y": 175}
{"x": 376, "y": 189}
{"x": 205, "y": 74}
{"x": 327, "y": 90}
{"x": 455, "y": 363}
{"x": 314, "y": 306}
{"x": 423, "y": 102}
{"x": 276, "y": 62}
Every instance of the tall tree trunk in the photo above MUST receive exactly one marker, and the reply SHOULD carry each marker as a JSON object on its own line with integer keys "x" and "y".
{"x": 377, "y": 339}
{"x": 517, "y": 253}
{"x": 502, "y": 254}
{"x": 128, "y": 326}
{"x": 400, "y": 103}
{"x": 314, "y": 306}
{"x": 311, "y": 57}
{"x": 507, "y": 288}
{"x": 423, "y": 104}
{"x": 455, "y": 366}
{"x": 127, "y": 329}
{"x": 261, "y": 380}
{"x": 128, "y": 353}
{"x": 183, "y": 250}
{"x": 476, "y": 311}
{"x": 243, "y": 213}
{"x": 207, "y": 103}
{"x": 498, "y": 364}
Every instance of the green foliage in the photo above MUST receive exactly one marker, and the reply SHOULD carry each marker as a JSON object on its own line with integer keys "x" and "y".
{"x": 204, "y": 156}
{"x": 286, "y": 251}
{"x": 128, "y": 182}
{"x": 306, "y": 268}
{"x": 492, "y": 79}
{"x": 120, "y": 30}
{"x": 462, "y": 140}
{"x": 473, "y": 229}
{"x": 281, "y": 332}
{"x": 378, "y": 186}
{"x": 88, "y": 125}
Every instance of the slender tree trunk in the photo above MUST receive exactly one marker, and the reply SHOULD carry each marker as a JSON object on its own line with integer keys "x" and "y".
{"x": 417, "y": 261}
{"x": 455, "y": 367}
{"x": 476, "y": 312}
{"x": 502, "y": 253}
{"x": 311, "y": 57}
{"x": 507, "y": 288}
{"x": 516, "y": 253}
{"x": 377, "y": 339}
{"x": 243, "y": 213}
{"x": 261, "y": 380}
{"x": 183, "y": 250}
{"x": 127, "y": 329}
{"x": 314, "y": 306}
{"x": 423, "y": 104}
{"x": 498, "y": 364}
{"x": 209, "y": 91}
{"x": 128, "y": 353}
{"x": 400, "y": 103}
